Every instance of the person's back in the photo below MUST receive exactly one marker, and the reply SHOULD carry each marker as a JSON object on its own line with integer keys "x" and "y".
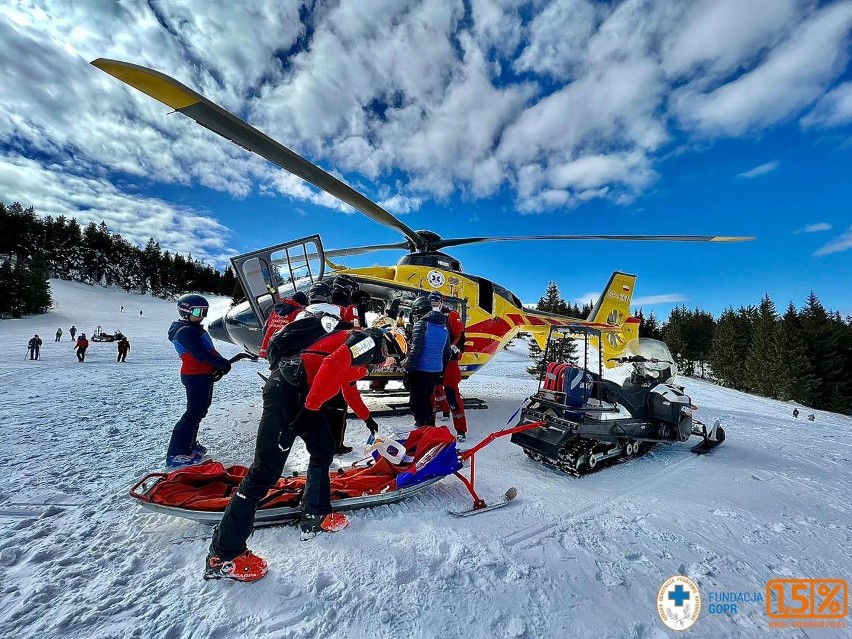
{"x": 430, "y": 348}
{"x": 428, "y": 354}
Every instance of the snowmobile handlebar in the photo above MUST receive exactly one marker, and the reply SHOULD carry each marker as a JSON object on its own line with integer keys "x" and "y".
{"x": 638, "y": 359}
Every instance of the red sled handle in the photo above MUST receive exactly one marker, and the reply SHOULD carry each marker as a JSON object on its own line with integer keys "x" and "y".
{"x": 134, "y": 490}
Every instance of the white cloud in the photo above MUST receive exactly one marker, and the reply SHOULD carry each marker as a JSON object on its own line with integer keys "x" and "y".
{"x": 792, "y": 76}
{"x": 833, "y": 109}
{"x": 762, "y": 169}
{"x": 56, "y": 191}
{"x": 562, "y": 101}
{"x": 815, "y": 228}
{"x": 650, "y": 300}
{"x": 839, "y": 244}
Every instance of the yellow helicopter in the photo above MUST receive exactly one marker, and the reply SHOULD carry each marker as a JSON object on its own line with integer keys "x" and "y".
{"x": 492, "y": 315}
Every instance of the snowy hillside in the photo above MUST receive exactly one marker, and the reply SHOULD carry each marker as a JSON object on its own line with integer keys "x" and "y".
{"x": 571, "y": 558}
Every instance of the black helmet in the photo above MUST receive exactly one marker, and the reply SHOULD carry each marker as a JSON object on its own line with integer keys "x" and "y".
{"x": 319, "y": 292}
{"x": 346, "y": 282}
{"x": 300, "y": 298}
{"x": 192, "y": 305}
{"x": 368, "y": 346}
{"x": 422, "y": 306}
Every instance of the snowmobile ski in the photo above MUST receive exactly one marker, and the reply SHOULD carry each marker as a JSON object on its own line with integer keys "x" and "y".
{"x": 711, "y": 440}
{"x": 507, "y": 499}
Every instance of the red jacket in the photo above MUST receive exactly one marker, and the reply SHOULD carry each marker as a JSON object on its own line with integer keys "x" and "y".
{"x": 452, "y": 374}
{"x": 281, "y": 315}
{"x": 328, "y": 365}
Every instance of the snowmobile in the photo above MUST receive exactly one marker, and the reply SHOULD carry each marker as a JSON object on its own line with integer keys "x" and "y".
{"x": 590, "y": 420}
{"x": 101, "y": 336}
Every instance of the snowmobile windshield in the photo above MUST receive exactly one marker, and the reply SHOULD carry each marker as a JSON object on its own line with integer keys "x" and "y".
{"x": 659, "y": 363}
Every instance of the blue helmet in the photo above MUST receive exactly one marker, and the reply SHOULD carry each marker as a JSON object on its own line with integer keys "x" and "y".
{"x": 192, "y": 305}
{"x": 436, "y": 299}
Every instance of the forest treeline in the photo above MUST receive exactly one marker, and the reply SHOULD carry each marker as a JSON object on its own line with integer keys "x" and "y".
{"x": 803, "y": 354}
{"x": 33, "y": 249}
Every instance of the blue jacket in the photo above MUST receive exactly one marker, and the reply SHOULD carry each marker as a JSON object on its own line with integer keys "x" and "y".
{"x": 195, "y": 348}
{"x": 429, "y": 350}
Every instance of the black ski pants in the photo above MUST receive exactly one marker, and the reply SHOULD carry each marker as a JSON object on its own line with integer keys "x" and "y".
{"x": 199, "y": 396}
{"x": 422, "y": 386}
{"x": 122, "y": 356}
{"x": 282, "y": 401}
{"x": 335, "y": 411}
{"x": 81, "y": 354}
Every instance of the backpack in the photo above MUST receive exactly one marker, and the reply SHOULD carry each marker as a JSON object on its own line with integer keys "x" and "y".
{"x": 295, "y": 337}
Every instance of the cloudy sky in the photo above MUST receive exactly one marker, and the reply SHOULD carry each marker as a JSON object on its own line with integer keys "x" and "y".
{"x": 468, "y": 117}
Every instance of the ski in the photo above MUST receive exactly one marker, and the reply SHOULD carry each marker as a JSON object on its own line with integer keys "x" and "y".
{"x": 507, "y": 499}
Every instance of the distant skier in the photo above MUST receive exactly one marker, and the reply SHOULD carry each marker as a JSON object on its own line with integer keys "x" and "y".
{"x": 123, "y": 348}
{"x": 58, "y": 334}
{"x": 140, "y": 312}
{"x": 34, "y": 346}
{"x": 73, "y": 331}
{"x": 293, "y": 397}
{"x": 200, "y": 361}
{"x": 428, "y": 354}
{"x": 796, "y": 413}
{"x": 121, "y": 310}
{"x": 81, "y": 345}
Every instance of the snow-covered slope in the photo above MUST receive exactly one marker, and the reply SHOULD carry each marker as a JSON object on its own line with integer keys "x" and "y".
{"x": 571, "y": 558}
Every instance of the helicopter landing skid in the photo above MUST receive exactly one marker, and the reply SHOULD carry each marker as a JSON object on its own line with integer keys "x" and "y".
{"x": 402, "y": 408}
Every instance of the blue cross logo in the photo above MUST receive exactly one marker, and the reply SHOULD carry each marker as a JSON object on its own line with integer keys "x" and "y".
{"x": 678, "y": 595}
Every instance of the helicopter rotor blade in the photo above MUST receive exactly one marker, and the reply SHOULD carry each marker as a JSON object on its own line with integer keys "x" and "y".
{"x": 361, "y": 250}
{"x": 211, "y": 116}
{"x": 459, "y": 241}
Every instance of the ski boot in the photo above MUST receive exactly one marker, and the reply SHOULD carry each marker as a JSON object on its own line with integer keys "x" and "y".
{"x": 313, "y": 525}
{"x": 173, "y": 462}
{"x": 198, "y": 448}
{"x": 445, "y": 415}
{"x": 461, "y": 437}
{"x": 343, "y": 450}
{"x": 245, "y": 567}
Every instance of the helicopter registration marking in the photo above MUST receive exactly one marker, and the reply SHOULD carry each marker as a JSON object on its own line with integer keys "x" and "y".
{"x": 435, "y": 279}
{"x": 619, "y": 296}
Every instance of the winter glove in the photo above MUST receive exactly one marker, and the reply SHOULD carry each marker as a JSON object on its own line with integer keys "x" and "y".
{"x": 304, "y": 421}
{"x": 219, "y": 373}
{"x": 372, "y": 425}
{"x": 456, "y": 352}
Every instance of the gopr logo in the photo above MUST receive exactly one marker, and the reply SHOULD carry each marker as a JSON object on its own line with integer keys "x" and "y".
{"x": 679, "y": 602}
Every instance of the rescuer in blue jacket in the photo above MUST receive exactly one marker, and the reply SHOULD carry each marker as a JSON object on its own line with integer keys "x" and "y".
{"x": 201, "y": 366}
{"x": 428, "y": 354}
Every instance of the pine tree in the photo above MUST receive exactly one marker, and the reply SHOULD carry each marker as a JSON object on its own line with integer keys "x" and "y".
{"x": 797, "y": 380}
{"x": 763, "y": 364}
{"x": 823, "y": 338}
{"x": 730, "y": 346}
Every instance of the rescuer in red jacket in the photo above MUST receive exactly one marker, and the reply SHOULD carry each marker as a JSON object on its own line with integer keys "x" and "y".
{"x": 292, "y": 398}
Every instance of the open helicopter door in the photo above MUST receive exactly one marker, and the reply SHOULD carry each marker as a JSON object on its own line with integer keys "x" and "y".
{"x": 274, "y": 273}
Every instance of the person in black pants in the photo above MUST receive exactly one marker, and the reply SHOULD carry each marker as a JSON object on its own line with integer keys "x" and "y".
{"x": 428, "y": 355}
{"x": 201, "y": 366}
{"x": 293, "y": 398}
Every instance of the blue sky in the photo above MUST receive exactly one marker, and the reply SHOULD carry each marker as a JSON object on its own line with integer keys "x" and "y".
{"x": 482, "y": 117}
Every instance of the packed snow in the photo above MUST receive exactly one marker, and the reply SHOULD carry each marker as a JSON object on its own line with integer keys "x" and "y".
{"x": 569, "y": 558}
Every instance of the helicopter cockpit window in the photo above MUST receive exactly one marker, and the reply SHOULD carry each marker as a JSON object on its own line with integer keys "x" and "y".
{"x": 272, "y": 274}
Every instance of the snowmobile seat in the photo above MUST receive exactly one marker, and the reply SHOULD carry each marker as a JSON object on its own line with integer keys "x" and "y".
{"x": 633, "y": 398}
